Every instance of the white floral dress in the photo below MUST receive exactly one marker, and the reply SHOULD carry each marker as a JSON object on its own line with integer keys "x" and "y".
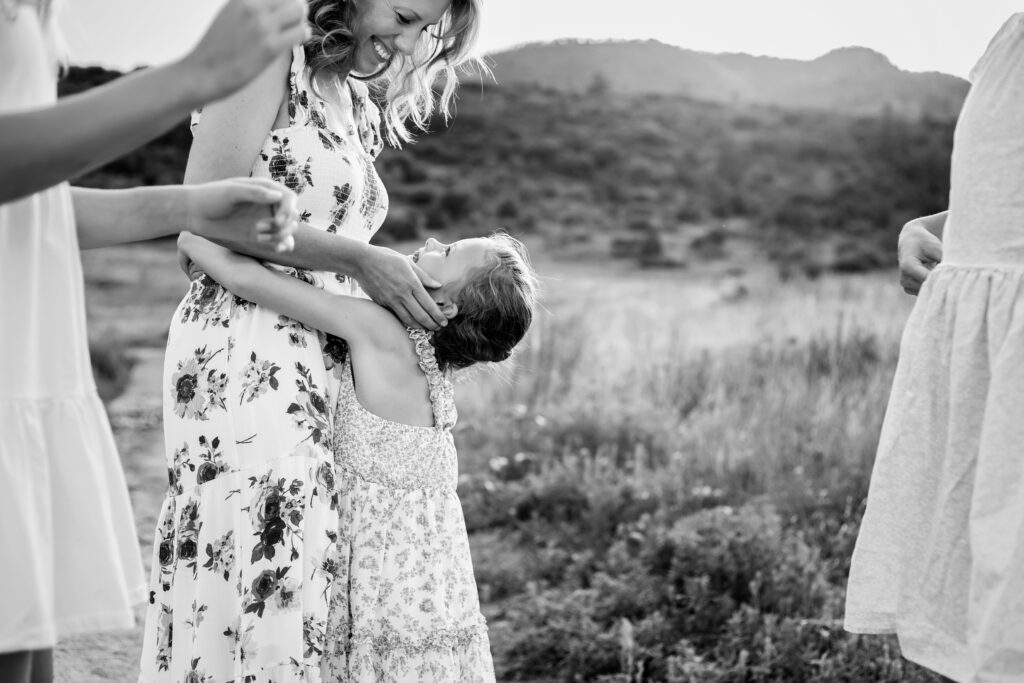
{"x": 404, "y": 605}
{"x": 244, "y": 550}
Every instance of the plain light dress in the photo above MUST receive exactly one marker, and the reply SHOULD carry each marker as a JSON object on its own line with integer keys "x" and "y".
{"x": 940, "y": 556}
{"x": 69, "y": 554}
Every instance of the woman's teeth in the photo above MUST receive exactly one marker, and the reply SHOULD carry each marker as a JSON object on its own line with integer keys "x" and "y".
{"x": 382, "y": 52}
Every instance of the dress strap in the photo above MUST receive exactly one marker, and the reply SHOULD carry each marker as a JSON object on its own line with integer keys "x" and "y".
{"x": 442, "y": 394}
{"x": 299, "y": 97}
{"x": 367, "y": 118}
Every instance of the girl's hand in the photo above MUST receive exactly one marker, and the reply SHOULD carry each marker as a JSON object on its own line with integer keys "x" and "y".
{"x": 394, "y": 281}
{"x": 244, "y": 210}
{"x": 919, "y": 251}
{"x": 187, "y": 265}
{"x": 244, "y": 38}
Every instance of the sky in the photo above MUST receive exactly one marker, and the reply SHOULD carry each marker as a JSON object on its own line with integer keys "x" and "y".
{"x": 916, "y": 35}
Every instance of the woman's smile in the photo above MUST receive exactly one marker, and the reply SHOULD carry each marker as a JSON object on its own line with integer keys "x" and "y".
{"x": 381, "y": 50}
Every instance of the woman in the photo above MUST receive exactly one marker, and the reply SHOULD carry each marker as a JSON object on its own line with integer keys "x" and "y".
{"x": 245, "y": 543}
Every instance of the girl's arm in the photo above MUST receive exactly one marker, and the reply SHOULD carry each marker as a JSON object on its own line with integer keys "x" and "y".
{"x": 241, "y": 208}
{"x": 360, "y": 322}
{"x": 41, "y": 148}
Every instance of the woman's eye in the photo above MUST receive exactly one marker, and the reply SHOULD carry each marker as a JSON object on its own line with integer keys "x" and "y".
{"x": 447, "y": 251}
{"x": 402, "y": 19}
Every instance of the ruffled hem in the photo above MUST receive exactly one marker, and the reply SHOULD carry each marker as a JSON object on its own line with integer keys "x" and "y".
{"x": 938, "y": 556}
{"x": 454, "y": 655}
{"x": 70, "y": 544}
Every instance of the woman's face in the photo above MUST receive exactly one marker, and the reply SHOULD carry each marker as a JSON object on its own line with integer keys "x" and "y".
{"x": 385, "y": 27}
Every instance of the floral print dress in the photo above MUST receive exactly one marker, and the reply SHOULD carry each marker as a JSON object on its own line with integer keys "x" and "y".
{"x": 245, "y": 551}
{"x": 404, "y": 603}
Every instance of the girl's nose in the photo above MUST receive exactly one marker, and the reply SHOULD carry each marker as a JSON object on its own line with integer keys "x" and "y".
{"x": 433, "y": 244}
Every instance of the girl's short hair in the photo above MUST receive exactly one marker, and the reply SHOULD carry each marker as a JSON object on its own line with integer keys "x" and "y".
{"x": 408, "y": 83}
{"x": 496, "y": 303}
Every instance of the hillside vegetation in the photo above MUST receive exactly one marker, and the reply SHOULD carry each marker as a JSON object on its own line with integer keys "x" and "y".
{"x": 666, "y": 179}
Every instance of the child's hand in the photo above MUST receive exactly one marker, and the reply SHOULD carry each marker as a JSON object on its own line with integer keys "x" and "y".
{"x": 188, "y": 266}
{"x": 244, "y": 210}
{"x": 244, "y": 38}
{"x": 919, "y": 251}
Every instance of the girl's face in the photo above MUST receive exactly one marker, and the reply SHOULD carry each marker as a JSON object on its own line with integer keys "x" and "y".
{"x": 385, "y": 27}
{"x": 450, "y": 263}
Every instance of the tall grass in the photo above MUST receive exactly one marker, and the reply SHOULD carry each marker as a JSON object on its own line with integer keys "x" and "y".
{"x": 648, "y": 508}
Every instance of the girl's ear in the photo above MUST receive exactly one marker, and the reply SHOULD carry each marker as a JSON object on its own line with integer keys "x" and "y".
{"x": 449, "y": 308}
{"x": 445, "y": 302}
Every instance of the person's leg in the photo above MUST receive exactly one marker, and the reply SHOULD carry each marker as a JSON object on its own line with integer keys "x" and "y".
{"x": 42, "y": 666}
{"x": 15, "y": 667}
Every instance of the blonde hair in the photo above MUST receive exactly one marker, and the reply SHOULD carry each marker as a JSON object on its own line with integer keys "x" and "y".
{"x": 408, "y": 83}
{"x": 496, "y": 304}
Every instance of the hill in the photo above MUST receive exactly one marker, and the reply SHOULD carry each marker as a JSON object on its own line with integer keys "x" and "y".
{"x": 848, "y": 80}
{"x": 666, "y": 179}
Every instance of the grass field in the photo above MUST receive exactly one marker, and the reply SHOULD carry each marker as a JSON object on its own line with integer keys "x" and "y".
{"x": 665, "y": 485}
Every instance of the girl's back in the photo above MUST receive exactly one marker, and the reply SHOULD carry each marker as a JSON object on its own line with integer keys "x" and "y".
{"x": 405, "y": 599}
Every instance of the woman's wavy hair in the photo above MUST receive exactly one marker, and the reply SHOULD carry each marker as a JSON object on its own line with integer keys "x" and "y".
{"x": 408, "y": 83}
{"x": 496, "y": 304}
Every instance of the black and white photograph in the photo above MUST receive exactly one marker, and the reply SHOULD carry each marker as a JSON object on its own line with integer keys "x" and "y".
{"x": 539, "y": 341}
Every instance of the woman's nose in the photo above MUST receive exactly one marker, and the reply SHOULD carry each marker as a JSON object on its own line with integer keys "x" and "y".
{"x": 405, "y": 42}
{"x": 433, "y": 244}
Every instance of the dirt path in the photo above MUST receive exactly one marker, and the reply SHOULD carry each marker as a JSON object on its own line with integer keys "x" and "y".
{"x": 135, "y": 417}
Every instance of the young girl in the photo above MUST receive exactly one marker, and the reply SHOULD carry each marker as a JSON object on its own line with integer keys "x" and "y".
{"x": 68, "y": 549}
{"x": 403, "y": 599}
{"x": 940, "y": 556}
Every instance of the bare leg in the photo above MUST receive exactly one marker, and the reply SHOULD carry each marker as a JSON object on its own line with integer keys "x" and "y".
{"x": 16, "y": 667}
{"x": 42, "y": 666}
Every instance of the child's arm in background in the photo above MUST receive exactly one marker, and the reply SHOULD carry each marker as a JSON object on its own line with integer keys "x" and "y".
{"x": 919, "y": 249}
{"x": 245, "y": 209}
{"x": 359, "y": 321}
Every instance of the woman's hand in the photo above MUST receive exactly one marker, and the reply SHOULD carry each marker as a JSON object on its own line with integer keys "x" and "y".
{"x": 919, "y": 251}
{"x": 394, "y": 281}
{"x": 244, "y": 210}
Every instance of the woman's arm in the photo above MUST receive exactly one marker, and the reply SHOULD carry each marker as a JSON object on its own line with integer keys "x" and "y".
{"x": 227, "y": 140}
{"x": 359, "y": 321}
{"x": 250, "y": 209}
{"x": 44, "y": 147}
{"x": 919, "y": 249}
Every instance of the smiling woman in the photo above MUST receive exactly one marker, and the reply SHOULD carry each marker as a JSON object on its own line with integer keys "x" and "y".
{"x": 247, "y": 572}
{"x": 406, "y": 45}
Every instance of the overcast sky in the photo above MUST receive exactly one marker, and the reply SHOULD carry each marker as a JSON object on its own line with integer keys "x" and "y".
{"x": 917, "y": 35}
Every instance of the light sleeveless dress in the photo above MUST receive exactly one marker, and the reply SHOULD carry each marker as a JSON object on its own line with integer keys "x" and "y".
{"x": 244, "y": 553}
{"x": 940, "y": 556}
{"x": 404, "y": 606}
{"x": 69, "y": 555}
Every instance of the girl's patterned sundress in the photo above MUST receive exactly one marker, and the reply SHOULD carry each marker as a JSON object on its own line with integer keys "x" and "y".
{"x": 940, "y": 556}
{"x": 245, "y": 545}
{"x": 404, "y": 605}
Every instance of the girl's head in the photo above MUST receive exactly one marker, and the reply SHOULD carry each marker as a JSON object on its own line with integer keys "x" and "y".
{"x": 407, "y": 45}
{"x": 488, "y": 291}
